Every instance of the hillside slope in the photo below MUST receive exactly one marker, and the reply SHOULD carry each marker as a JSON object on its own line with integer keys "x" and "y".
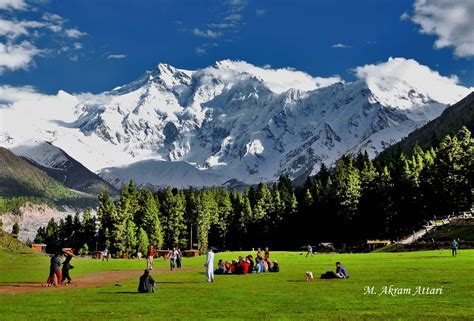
{"x": 449, "y": 122}
{"x": 19, "y": 178}
{"x": 61, "y": 166}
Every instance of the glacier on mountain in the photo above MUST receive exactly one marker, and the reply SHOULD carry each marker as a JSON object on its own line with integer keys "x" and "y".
{"x": 232, "y": 120}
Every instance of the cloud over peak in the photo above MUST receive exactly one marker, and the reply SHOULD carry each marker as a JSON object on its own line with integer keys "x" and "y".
{"x": 400, "y": 74}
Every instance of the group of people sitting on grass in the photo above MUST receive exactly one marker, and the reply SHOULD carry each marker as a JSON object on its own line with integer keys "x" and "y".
{"x": 248, "y": 264}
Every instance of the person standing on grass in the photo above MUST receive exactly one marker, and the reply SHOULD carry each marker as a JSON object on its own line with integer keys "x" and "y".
{"x": 259, "y": 254}
{"x": 179, "y": 257}
{"x": 210, "y": 266}
{"x": 150, "y": 255}
{"x": 310, "y": 251}
{"x": 267, "y": 253}
{"x": 173, "y": 255}
{"x": 454, "y": 247}
{"x": 66, "y": 267}
{"x": 54, "y": 269}
{"x": 105, "y": 254}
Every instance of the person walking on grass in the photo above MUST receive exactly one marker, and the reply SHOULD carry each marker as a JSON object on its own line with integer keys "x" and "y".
{"x": 105, "y": 254}
{"x": 66, "y": 267}
{"x": 454, "y": 247}
{"x": 310, "y": 251}
{"x": 210, "y": 266}
{"x": 54, "y": 269}
{"x": 150, "y": 255}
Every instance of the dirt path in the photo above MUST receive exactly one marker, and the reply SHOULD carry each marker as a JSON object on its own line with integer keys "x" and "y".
{"x": 93, "y": 280}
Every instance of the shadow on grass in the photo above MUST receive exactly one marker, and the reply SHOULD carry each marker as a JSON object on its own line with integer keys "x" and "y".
{"x": 121, "y": 292}
{"x": 176, "y": 282}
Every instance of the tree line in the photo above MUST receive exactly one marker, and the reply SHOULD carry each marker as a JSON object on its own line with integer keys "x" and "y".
{"x": 357, "y": 199}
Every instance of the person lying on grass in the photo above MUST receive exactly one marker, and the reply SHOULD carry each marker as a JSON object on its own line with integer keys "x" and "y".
{"x": 146, "y": 283}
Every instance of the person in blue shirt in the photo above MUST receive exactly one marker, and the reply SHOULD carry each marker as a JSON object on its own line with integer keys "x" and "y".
{"x": 341, "y": 271}
{"x": 454, "y": 247}
{"x": 54, "y": 269}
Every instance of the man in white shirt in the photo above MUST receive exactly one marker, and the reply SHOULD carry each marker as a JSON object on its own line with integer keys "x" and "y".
{"x": 210, "y": 266}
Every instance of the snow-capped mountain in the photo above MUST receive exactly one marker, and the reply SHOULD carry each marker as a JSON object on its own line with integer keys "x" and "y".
{"x": 232, "y": 120}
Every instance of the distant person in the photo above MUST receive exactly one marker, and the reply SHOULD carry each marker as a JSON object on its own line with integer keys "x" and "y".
{"x": 267, "y": 254}
{"x": 179, "y": 258}
{"x": 310, "y": 251}
{"x": 259, "y": 254}
{"x": 105, "y": 254}
{"x": 210, "y": 266}
{"x": 149, "y": 258}
{"x": 146, "y": 283}
{"x": 173, "y": 255}
{"x": 454, "y": 247}
{"x": 275, "y": 267}
{"x": 66, "y": 267}
{"x": 341, "y": 271}
{"x": 54, "y": 269}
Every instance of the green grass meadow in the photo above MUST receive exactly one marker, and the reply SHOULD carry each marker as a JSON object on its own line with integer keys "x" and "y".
{"x": 185, "y": 295}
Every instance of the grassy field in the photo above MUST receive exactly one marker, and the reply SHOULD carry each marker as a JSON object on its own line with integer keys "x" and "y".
{"x": 273, "y": 296}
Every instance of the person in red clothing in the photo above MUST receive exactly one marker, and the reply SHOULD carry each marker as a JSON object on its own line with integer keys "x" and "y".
{"x": 150, "y": 255}
{"x": 54, "y": 268}
{"x": 245, "y": 267}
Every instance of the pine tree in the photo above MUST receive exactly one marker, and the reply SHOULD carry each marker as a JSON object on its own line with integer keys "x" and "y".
{"x": 174, "y": 207}
{"x": 149, "y": 218}
{"x": 143, "y": 242}
{"x": 106, "y": 216}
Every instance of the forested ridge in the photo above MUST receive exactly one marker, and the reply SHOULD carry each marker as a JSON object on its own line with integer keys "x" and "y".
{"x": 356, "y": 200}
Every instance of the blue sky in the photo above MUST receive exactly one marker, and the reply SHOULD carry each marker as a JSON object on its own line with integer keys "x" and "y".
{"x": 95, "y": 45}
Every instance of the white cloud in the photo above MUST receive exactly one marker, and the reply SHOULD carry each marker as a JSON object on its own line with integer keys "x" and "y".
{"x": 52, "y": 17}
{"x": 282, "y": 79}
{"x": 450, "y": 21}
{"x": 116, "y": 56}
{"x": 223, "y": 25}
{"x": 13, "y": 29}
{"x": 74, "y": 33}
{"x": 261, "y": 12}
{"x": 340, "y": 45}
{"x": 206, "y": 33}
{"x": 399, "y": 75}
{"x": 19, "y": 38}
{"x": 10, "y": 95}
{"x": 17, "y": 56}
{"x": 233, "y": 17}
{"x": 13, "y": 5}
{"x": 202, "y": 50}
